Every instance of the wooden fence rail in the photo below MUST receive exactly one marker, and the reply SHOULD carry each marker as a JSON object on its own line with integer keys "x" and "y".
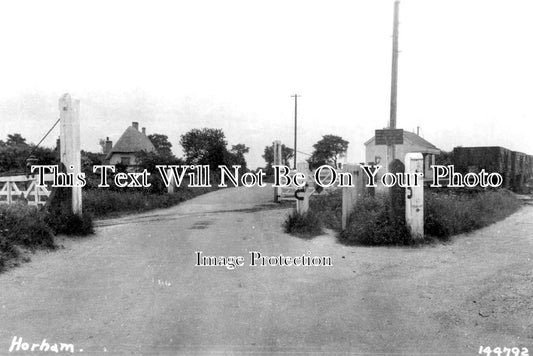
{"x": 24, "y": 189}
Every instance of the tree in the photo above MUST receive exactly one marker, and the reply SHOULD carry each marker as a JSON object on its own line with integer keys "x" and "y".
{"x": 15, "y": 151}
{"x": 268, "y": 155}
{"x": 328, "y": 151}
{"x": 149, "y": 161}
{"x": 209, "y": 147}
{"x": 161, "y": 144}
{"x": 16, "y": 140}
{"x": 204, "y": 146}
{"x": 236, "y": 156}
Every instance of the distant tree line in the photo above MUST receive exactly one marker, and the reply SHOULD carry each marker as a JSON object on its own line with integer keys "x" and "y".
{"x": 328, "y": 151}
{"x": 206, "y": 146}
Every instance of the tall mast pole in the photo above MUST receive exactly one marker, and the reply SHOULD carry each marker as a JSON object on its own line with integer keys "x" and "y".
{"x": 394, "y": 78}
{"x": 295, "y": 96}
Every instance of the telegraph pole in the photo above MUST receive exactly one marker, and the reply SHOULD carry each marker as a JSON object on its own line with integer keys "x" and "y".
{"x": 391, "y": 149}
{"x": 295, "y": 96}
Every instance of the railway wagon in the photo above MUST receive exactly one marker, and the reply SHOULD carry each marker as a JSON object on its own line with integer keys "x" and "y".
{"x": 521, "y": 171}
{"x": 515, "y": 167}
{"x": 491, "y": 159}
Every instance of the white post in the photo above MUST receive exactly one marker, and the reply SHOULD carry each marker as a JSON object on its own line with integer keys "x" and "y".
{"x": 414, "y": 196}
{"x": 302, "y": 206}
{"x": 9, "y": 193}
{"x": 276, "y": 147}
{"x": 69, "y": 114}
{"x": 172, "y": 184}
{"x": 350, "y": 195}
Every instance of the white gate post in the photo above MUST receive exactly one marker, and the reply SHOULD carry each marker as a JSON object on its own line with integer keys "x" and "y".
{"x": 302, "y": 206}
{"x": 276, "y": 147}
{"x": 414, "y": 196}
{"x": 172, "y": 182}
{"x": 350, "y": 195}
{"x": 69, "y": 114}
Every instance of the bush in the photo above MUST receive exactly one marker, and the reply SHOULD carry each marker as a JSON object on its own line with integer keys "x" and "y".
{"x": 71, "y": 224}
{"x": 452, "y": 213}
{"x": 26, "y": 226}
{"x": 22, "y": 225}
{"x": 447, "y": 213}
{"x": 30, "y": 227}
{"x": 373, "y": 223}
{"x": 328, "y": 206}
{"x": 7, "y": 251}
{"x": 305, "y": 225}
{"x": 106, "y": 203}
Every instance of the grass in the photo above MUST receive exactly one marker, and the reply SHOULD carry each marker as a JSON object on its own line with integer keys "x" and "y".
{"x": 329, "y": 205}
{"x": 373, "y": 223}
{"x": 451, "y": 214}
{"x": 22, "y": 226}
{"x": 447, "y": 213}
{"x": 304, "y": 225}
{"x": 102, "y": 203}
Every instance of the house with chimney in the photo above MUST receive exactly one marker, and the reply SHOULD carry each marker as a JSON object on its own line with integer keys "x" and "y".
{"x": 131, "y": 141}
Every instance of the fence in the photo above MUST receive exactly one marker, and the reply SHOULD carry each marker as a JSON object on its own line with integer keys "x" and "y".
{"x": 288, "y": 193}
{"x": 23, "y": 189}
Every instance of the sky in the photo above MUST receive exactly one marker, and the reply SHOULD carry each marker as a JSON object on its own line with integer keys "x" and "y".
{"x": 465, "y": 70}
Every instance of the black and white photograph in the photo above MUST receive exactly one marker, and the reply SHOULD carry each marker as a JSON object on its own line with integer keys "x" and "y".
{"x": 241, "y": 177}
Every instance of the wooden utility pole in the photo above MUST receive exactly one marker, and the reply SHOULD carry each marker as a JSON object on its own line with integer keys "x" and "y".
{"x": 295, "y": 96}
{"x": 69, "y": 114}
{"x": 391, "y": 149}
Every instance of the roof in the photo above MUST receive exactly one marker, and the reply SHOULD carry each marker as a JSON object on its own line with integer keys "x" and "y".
{"x": 132, "y": 141}
{"x": 412, "y": 138}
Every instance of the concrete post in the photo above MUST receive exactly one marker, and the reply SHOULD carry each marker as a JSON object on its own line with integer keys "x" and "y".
{"x": 276, "y": 147}
{"x": 69, "y": 114}
{"x": 172, "y": 184}
{"x": 414, "y": 196}
{"x": 302, "y": 206}
{"x": 350, "y": 195}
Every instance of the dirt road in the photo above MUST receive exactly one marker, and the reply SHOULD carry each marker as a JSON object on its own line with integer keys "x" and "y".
{"x": 133, "y": 288}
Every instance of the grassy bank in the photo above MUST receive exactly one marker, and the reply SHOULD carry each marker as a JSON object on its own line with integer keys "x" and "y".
{"x": 373, "y": 222}
{"x": 104, "y": 203}
{"x": 454, "y": 213}
{"x": 22, "y": 226}
{"x": 26, "y": 227}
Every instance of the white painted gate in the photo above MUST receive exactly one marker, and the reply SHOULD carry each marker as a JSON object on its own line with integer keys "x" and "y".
{"x": 23, "y": 189}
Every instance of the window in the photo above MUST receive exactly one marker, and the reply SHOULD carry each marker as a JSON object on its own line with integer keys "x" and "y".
{"x": 125, "y": 161}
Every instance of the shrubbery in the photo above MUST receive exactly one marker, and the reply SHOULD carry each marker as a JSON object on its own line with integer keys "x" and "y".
{"x": 106, "y": 203}
{"x": 25, "y": 226}
{"x": 447, "y": 213}
{"x": 452, "y": 213}
{"x": 305, "y": 225}
{"x": 8, "y": 251}
{"x": 329, "y": 204}
{"x": 71, "y": 224}
{"x": 373, "y": 223}
{"x": 29, "y": 227}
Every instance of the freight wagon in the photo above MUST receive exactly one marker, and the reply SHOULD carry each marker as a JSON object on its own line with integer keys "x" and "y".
{"x": 516, "y": 168}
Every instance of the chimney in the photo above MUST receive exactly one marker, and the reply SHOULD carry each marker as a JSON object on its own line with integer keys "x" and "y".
{"x": 418, "y": 130}
{"x": 135, "y": 125}
{"x": 144, "y": 131}
{"x": 108, "y": 145}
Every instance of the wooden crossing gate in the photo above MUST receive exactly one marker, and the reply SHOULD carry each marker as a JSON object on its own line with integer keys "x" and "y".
{"x": 23, "y": 189}
{"x": 288, "y": 193}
